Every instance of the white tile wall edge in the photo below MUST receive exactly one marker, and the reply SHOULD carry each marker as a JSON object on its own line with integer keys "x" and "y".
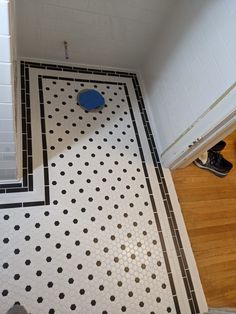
{"x": 175, "y": 203}
{"x": 18, "y": 126}
{"x": 15, "y": 88}
{"x": 13, "y": 31}
{"x": 6, "y": 58}
{"x": 149, "y": 113}
{"x": 38, "y": 193}
{"x": 18, "y": 139}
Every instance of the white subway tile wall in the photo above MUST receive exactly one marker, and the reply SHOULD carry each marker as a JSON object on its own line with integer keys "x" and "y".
{"x": 6, "y": 93}
{"x": 6, "y": 111}
{"x": 5, "y": 70}
{"x": 7, "y": 130}
{"x": 4, "y": 7}
{"x": 111, "y": 33}
{"x": 5, "y": 53}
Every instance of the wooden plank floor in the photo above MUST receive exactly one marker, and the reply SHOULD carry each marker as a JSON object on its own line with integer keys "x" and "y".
{"x": 209, "y": 208}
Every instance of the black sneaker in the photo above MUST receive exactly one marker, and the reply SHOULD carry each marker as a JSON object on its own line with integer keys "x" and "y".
{"x": 216, "y": 163}
{"x": 218, "y": 147}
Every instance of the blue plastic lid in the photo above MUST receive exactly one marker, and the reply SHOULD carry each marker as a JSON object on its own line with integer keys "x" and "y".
{"x": 90, "y": 99}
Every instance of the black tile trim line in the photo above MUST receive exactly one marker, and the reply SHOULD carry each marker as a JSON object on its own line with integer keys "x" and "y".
{"x": 159, "y": 229}
{"x": 155, "y": 213}
{"x": 76, "y": 69}
{"x": 183, "y": 264}
{"x": 23, "y": 186}
{"x": 27, "y": 156}
{"x": 193, "y": 303}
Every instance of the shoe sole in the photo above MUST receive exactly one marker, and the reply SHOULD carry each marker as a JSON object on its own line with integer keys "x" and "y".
{"x": 217, "y": 173}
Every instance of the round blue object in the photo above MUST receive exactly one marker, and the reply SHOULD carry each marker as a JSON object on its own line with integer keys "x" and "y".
{"x": 90, "y": 99}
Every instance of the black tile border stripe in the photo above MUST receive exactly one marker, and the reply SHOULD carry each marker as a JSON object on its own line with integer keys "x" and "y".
{"x": 164, "y": 251}
{"x": 27, "y": 157}
{"x": 44, "y": 140}
{"x": 25, "y": 115}
{"x": 193, "y": 303}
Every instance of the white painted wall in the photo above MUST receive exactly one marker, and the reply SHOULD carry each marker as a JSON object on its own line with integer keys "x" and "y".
{"x": 7, "y": 119}
{"x": 115, "y": 33}
{"x": 192, "y": 64}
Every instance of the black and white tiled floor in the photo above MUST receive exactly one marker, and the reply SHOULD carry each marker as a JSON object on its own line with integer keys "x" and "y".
{"x": 91, "y": 227}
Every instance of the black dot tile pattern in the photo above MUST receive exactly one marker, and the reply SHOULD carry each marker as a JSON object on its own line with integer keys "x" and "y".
{"x": 102, "y": 181}
{"x": 98, "y": 247}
